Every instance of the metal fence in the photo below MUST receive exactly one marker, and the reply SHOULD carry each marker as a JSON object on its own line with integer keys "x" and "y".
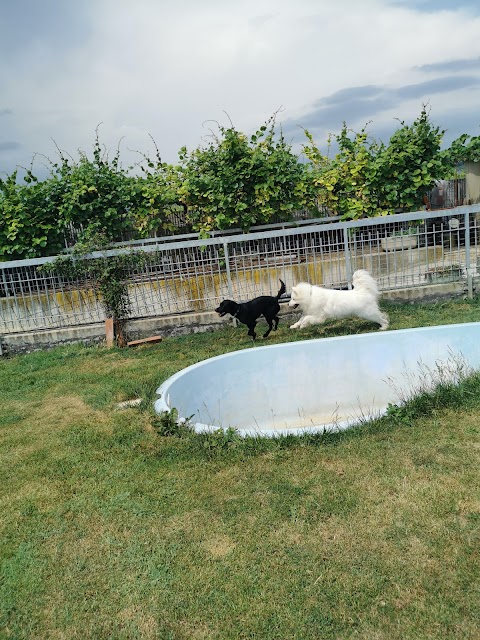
{"x": 186, "y": 275}
{"x": 447, "y": 194}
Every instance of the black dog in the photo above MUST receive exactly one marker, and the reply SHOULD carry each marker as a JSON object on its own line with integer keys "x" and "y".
{"x": 248, "y": 312}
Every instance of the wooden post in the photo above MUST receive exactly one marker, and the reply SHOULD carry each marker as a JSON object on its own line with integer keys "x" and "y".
{"x": 109, "y": 332}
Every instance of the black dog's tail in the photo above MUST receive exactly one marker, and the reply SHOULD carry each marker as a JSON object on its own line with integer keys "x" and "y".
{"x": 281, "y": 290}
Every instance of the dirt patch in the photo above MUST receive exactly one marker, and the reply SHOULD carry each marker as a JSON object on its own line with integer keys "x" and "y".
{"x": 104, "y": 366}
{"x": 62, "y": 411}
{"x": 219, "y": 546}
{"x": 147, "y": 625}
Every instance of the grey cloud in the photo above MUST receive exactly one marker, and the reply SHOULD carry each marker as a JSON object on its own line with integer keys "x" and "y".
{"x": 9, "y": 146}
{"x": 458, "y": 122}
{"x": 451, "y": 66}
{"x": 364, "y": 103}
{"x": 438, "y": 85}
{"x": 6, "y": 112}
{"x": 347, "y": 105}
{"x": 345, "y": 95}
{"x": 438, "y": 5}
{"x": 59, "y": 24}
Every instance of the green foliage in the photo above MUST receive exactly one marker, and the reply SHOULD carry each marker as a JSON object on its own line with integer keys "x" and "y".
{"x": 410, "y": 231}
{"x": 107, "y": 271}
{"x": 96, "y": 190}
{"x": 401, "y": 414}
{"x": 236, "y": 181}
{"x": 464, "y": 149}
{"x": 37, "y": 217}
{"x": 167, "y": 424}
{"x": 208, "y": 444}
{"x": 344, "y": 184}
{"x": 219, "y": 441}
{"x": 159, "y": 195}
{"x": 102, "y": 192}
{"x": 367, "y": 178}
{"x": 455, "y": 394}
{"x": 232, "y": 181}
{"x": 406, "y": 168}
{"x": 28, "y": 219}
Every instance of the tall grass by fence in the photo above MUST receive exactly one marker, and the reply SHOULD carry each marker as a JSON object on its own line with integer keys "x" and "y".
{"x": 185, "y": 274}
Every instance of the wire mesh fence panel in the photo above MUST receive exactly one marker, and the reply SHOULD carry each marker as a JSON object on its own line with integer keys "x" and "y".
{"x": 192, "y": 275}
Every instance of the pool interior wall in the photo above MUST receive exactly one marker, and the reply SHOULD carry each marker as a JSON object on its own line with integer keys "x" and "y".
{"x": 316, "y": 385}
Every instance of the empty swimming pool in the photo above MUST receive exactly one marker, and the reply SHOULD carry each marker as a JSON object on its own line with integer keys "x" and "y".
{"x": 316, "y": 385}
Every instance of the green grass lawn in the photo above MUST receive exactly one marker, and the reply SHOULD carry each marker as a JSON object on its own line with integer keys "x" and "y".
{"x": 110, "y": 530}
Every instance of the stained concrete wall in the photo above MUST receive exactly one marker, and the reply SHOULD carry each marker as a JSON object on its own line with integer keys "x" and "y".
{"x": 179, "y": 295}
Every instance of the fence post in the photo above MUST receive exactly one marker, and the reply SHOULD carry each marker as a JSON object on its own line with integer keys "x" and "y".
{"x": 109, "y": 333}
{"x": 5, "y": 284}
{"x": 229, "y": 275}
{"x": 348, "y": 264}
{"x": 227, "y": 266}
{"x": 468, "y": 265}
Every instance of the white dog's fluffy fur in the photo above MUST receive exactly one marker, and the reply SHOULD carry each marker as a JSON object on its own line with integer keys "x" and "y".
{"x": 319, "y": 304}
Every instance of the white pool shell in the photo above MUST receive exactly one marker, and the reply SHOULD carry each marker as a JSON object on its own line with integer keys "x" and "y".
{"x": 316, "y": 385}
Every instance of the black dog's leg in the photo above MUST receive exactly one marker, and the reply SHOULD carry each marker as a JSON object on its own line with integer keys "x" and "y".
{"x": 272, "y": 319}
{"x": 251, "y": 330}
{"x": 270, "y": 327}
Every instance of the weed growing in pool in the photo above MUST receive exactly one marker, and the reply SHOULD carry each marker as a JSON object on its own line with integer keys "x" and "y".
{"x": 419, "y": 392}
{"x": 403, "y": 414}
{"x": 167, "y": 423}
{"x": 447, "y": 384}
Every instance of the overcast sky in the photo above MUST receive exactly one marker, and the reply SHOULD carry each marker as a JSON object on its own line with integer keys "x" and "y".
{"x": 163, "y": 68}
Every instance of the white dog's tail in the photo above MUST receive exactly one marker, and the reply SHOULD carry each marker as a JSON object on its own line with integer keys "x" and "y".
{"x": 363, "y": 281}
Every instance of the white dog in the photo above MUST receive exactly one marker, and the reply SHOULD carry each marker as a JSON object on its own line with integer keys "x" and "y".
{"x": 319, "y": 304}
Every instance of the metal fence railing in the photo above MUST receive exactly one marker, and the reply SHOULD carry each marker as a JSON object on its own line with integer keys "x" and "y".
{"x": 190, "y": 275}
